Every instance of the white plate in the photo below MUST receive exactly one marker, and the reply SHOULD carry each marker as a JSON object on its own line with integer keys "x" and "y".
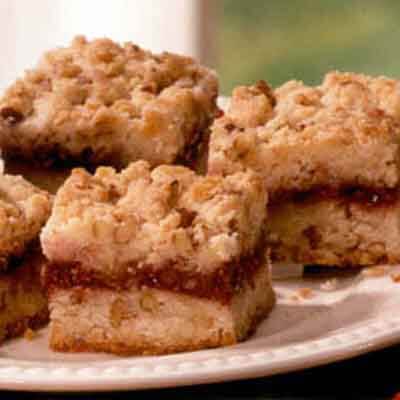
{"x": 360, "y": 315}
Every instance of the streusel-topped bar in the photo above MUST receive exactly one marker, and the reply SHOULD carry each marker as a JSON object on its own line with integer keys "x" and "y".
{"x": 143, "y": 248}
{"x": 98, "y": 102}
{"x": 329, "y": 156}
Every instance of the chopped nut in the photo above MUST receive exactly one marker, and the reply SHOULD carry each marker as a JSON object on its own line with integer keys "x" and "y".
{"x": 243, "y": 145}
{"x": 101, "y": 228}
{"x": 71, "y": 70}
{"x": 204, "y": 190}
{"x": 305, "y": 293}
{"x": 181, "y": 241}
{"x": 148, "y": 302}
{"x": 29, "y": 334}
{"x": 77, "y": 296}
{"x": 125, "y": 230}
{"x": 187, "y": 217}
{"x": 119, "y": 311}
{"x": 395, "y": 277}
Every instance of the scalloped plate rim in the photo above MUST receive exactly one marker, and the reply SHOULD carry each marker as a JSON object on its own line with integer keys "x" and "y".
{"x": 180, "y": 370}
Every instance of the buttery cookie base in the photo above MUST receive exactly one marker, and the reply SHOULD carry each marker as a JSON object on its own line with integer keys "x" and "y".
{"x": 337, "y": 230}
{"x": 150, "y": 321}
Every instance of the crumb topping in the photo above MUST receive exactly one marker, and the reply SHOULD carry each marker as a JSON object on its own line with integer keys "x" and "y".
{"x": 350, "y": 90}
{"x": 145, "y": 216}
{"x": 300, "y": 136}
{"x": 96, "y": 100}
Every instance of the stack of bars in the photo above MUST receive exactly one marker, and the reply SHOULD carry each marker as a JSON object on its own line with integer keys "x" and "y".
{"x": 147, "y": 258}
{"x": 23, "y": 211}
{"x": 139, "y": 256}
{"x": 329, "y": 156}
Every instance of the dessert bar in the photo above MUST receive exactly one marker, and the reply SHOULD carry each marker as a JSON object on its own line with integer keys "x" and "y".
{"x": 156, "y": 261}
{"x": 329, "y": 157}
{"x": 98, "y": 102}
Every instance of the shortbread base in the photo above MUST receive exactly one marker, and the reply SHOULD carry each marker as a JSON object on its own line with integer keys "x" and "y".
{"x": 151, "y": 321}
{"x": 335, "y": 231}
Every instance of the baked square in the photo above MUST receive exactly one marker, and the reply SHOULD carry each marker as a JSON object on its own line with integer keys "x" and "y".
{"x": 302, "y": 137}
{"x": 132, "y": 254}
{"x": 329, "y": 156}
{"x": 98, "y": 102}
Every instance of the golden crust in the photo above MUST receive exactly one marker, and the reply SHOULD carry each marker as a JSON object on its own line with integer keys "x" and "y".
{"x": 344, "y": 132}
{"x": 24, "y": 210}
{"x": 140, "y": 216}
{"x": 59, "y": 341}
{"x": 99, "y": 102}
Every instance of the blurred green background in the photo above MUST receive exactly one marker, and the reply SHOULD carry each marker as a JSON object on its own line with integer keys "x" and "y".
{"x": 302, "y": 39}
